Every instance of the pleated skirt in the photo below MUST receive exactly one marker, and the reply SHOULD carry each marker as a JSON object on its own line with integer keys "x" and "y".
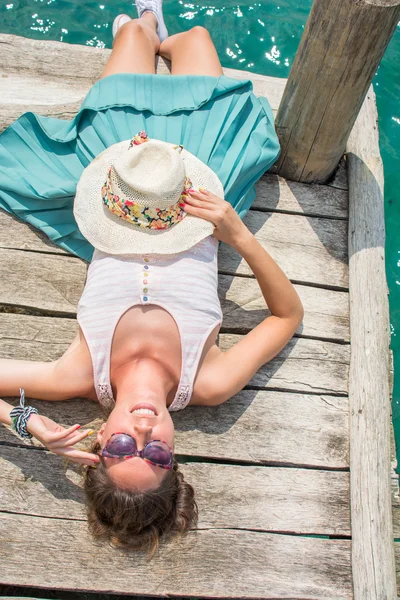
{"x": 219, "y": 119}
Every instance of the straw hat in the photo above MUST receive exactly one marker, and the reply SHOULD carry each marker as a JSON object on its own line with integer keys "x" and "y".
{"x": 127, "y": 199}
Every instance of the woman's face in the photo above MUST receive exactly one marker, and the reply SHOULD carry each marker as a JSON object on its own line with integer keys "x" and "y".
{"x": 144, "y": 422}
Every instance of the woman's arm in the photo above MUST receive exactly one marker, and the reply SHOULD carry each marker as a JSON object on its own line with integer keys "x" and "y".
{"x": 233, "y": 369}
{"x": 67, "y": 377}
{"x": 36, "y": 378}
{"x": 5, "y": 410}
{"x": 230, "y": 371}
{"x": 279, "y": 293}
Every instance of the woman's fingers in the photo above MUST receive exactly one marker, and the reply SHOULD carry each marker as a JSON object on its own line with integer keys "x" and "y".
{"x": 71, "y": 440}
{"x": 195, "y": 201}
{"x": 86, "y": 458}
{"x": 60, "y": 435}
{"x": 202, "y": 195}
{"x": 203, "y": 213}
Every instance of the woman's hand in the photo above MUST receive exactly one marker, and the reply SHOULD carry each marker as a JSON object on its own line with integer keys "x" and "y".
{"x": 60, "y": 440}
{"x": 229, "y": 227}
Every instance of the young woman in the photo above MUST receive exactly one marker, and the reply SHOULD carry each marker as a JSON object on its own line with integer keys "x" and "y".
{"x": 150, "y": 214}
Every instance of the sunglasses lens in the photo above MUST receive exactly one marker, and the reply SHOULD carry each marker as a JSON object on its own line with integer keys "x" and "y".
{"x": 121, "y": 445}
{"x": 158, "y": 453}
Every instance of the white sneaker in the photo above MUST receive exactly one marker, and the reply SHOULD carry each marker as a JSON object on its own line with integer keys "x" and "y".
{"x": 155, "y": 6}
{"x": 118, "y": 22}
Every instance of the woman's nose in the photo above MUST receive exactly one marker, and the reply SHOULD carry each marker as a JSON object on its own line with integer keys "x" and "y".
{"x": 143, "y": 428}
{"x": 143, "y": 434}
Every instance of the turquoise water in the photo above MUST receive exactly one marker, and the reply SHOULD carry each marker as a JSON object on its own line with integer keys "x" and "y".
{"x": 258, "y": 37}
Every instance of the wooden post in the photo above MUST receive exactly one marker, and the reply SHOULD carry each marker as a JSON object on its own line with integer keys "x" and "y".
{"x": 374, "y": 576}
{"x": 342, "y": 45}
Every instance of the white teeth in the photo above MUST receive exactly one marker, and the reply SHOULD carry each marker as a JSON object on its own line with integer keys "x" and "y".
{"x": 144, "y": 411}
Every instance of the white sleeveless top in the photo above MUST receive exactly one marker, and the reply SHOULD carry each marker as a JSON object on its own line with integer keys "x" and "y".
{"x": 184, "y": 284}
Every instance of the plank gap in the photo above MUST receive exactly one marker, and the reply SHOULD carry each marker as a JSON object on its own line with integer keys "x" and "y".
{"x": 333, "y": 288}
{"x": 18, "y": 592}
{"x": 322, "y": 286}
{"x": 321, "y": 339}
{"x": 244, "y": 331}
{"x": 294, "y": 391}
{"x": 22, "y": 309}
{"x": 276, "y": 532}
{"x": 47, "y": 253}
{"x": 249, "y": 529}
{"x": 29, "y": 514}
{"x": 298, "y": 213}
{"x": 187, "y": 459}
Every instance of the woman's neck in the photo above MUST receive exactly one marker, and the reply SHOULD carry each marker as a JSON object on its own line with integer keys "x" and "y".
{"x": 144, "y": 380}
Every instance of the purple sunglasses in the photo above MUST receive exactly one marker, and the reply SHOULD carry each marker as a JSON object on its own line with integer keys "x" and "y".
{"x": 123, "y": 445}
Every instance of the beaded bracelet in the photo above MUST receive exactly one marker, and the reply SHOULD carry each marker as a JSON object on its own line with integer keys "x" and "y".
{"x": 20, "y": 415}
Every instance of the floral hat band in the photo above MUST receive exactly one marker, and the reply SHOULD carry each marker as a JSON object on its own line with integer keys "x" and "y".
{"x": 131, "y": 204}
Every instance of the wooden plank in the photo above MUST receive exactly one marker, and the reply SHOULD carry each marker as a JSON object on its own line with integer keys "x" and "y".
{"x": 268, "y": 427}
{"x": 303, "y": 365}
{"x": 248, "y": 564}
{"x": 263, "y": 85}
{"x": 263, "y": 498}
{"x": 20, "y": 88}
{"x": 275, "y": 193}
{"x": 58, "y": 279}
{"x": 309, "y": 250}
{"x": 10, "y": 112}
{"x": 76, "y": 63}
{"x": 325, "y": 311}
{"x": 17, "y": 235}
{"x": 369, "y": 397}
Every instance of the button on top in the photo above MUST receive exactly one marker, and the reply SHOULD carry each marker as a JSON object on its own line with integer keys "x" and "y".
{"x": 146, "y": 259}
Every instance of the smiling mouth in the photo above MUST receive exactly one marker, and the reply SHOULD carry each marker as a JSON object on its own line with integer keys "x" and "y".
{"x": 144, "y": 409}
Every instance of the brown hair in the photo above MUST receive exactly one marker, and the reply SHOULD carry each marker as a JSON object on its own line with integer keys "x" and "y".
{"x": 138, "y": 519}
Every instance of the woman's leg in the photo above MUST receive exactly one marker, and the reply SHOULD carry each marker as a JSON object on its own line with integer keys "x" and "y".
{"x": 191, "y": 52}
{"x": 135, "y": 45}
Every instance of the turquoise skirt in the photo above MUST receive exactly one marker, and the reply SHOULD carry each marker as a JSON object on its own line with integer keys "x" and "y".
{"x": 219, "y": 119}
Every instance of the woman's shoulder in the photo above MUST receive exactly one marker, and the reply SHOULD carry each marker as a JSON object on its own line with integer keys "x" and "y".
{"x": 75, "y": 369}
{"x": 205, "y": 378}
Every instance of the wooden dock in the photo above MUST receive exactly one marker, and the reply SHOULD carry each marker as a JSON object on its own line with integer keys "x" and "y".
{"x": 277, "y": 522}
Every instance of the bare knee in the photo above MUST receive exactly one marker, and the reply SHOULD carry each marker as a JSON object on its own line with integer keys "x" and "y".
{"x": 132, "y": 28}
{"x": 199, "y": 31}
